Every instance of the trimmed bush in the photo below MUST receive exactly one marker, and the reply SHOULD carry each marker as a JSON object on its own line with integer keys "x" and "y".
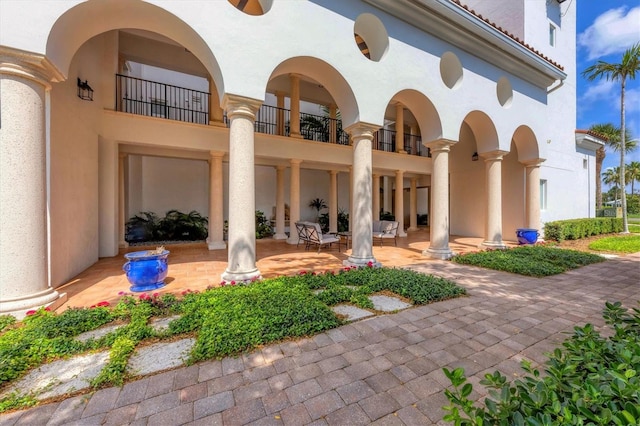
{"x": 574, "y": 229}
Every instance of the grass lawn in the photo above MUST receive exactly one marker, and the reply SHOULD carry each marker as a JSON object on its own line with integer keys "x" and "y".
{"x": 535, "y": 261}
{"x": 622, "y": 243}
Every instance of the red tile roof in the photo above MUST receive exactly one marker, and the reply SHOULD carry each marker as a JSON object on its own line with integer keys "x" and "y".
{"x": 594, "y": 134}
{"x": 508, "y": 34}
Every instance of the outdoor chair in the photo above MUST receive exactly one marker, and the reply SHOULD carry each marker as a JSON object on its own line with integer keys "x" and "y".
{"x": 385, "y": 229}
{"x": 311, "y": 234}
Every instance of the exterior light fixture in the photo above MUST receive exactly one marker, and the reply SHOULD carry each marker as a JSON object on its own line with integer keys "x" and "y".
{"x": 474, "y": 157}
{"x": 85, "y": 92}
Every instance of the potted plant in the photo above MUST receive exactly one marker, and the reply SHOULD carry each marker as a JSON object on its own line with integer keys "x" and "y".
{"x": 318, "y": 204}
{"x": 146, "y": 270}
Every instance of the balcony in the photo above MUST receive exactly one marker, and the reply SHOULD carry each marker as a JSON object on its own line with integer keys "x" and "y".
{"x": 153, "y": 99}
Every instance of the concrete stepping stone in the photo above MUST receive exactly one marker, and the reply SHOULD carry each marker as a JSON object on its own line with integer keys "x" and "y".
{"x": 388, "y": 303}
{"x": 62, "y": 376}
{"x": 160, "y": 356}
{"x": 351, "y": 312}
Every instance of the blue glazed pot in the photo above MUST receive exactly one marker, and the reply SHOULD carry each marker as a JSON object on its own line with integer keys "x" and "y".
{"x": 527, "y": 236}
{"x": 146, "y": 271}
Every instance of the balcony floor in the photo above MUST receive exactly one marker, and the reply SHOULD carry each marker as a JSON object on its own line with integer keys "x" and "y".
{"x": 194, "y": 267}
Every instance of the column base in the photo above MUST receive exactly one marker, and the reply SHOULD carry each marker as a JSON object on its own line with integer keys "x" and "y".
{"x": 217, "y": 123}
{"x": 493, "y": 245}
{"x": 296, "y": 136}
{"x": 123, "y": 244}
{"x": 412, "y": 229}
{"x": 280, "y": 237}
{"x": 442, "y": 254}
{"x": 293, "y": 240}
{"x": 402, "y": 233}
{"x": 19, "y": 307}
{"x": 362, "y": 262}
{"x": 216, "y": 245}
{"x": 238, "y": 276}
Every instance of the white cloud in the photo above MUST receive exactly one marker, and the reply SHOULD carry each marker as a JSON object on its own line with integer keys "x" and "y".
{"x": 601, "y": 90}
{"x": 612, "y": 32}
{"x": 632, "y": 100}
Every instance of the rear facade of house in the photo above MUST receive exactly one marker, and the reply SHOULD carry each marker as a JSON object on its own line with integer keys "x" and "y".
{"x": 458, "y": 115}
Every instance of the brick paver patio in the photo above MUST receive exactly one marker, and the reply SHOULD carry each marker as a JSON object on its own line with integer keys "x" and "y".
{"x": 381, "y": 370}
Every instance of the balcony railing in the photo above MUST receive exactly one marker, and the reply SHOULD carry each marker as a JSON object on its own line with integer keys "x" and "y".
{"x": 153, "y": 99}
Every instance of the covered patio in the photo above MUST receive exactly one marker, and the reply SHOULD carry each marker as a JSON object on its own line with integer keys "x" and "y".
{"x": 194, "y": 267}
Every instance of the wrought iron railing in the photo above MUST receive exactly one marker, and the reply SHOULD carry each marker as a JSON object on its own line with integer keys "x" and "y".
{"x": 153, "y": 99}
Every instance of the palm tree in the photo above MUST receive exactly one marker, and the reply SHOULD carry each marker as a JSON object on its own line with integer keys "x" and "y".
{"x": 634, "y": 173}
{"x": 611, "y": 176}
{"x": 627, "y": 68}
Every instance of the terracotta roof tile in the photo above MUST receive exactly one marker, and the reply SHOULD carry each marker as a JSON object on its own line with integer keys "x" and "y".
{"x": 508, "y": 34}
{"x": 594, "y": 134}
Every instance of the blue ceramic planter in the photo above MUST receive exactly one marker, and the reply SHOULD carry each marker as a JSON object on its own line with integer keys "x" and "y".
{"x": 527, "y": 236}
{"x": 146, "y": 271}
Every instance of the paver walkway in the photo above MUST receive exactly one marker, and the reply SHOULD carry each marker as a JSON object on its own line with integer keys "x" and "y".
{"x": 381, "y": 370}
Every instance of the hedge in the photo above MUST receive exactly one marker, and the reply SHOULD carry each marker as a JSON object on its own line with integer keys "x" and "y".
{"x": 574, "y": 229}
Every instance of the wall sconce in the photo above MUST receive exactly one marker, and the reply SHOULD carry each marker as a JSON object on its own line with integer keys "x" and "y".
{"x": 85, "y": 92}
{"x": 474, "y": 157}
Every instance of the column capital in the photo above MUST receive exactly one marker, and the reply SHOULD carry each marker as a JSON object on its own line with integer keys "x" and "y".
{"x": 496, "y": 155}
{"x": 440, "y": 145}
{"x": 236, "y": 105}
{"x": 376, "y": 175}
{"x": 216, "y": 154}
{"x": 280, "y": 167}
{"x": 536, "y": 162}
{"x": 122, "y": 155}
{"x": 333, "y": 172}
{"x": 362, "y": 130}
{"x": 295, "y": 161}
{"x": 31, "y": 66}
{"x": 399, "y": 172}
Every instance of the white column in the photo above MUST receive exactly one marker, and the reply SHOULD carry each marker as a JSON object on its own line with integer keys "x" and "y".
{"x": 400, "y": 128}
{"x": 108, "y": 226}
{"x": 294, "y": 120}
{"x": 399, "y": 210}
{"x": 351, "y": 197}
{"x": 294, "y": 200}
{"x": 333, "y": 201}
{"x": 242, "y": 201}
{"x": 493, "y": 178}
{"x": 215, "y": 241}
{"x": 24, "y": 267}
{"x": 361, "y": 224}
{"x": 333, "y": 124}
{"x": 386, "y": 193}
{"x": 533, "y": 193}
{"x": 121, "y": 197}
{"x": 413, "y": 205}
{"x": 280, "y": 113}
{"x": 376, "y": 197}
{"x": 280, "y": 219}
{"x": 439, "y": 244}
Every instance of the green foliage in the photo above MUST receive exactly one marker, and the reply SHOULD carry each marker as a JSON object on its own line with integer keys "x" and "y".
{"x": 623, "y": 243}
{"x": 343, "y": 221}
{"x": 575, "y": 229}
{"x": 175, "y": 226}
{"x": 535, "y": 261}
{"x": 113, "y": 373}
{"x": 15, "y": 400}
{"x": 590, "y": 380}
{"x": 263, "y": 226}
{"x": 6, "y": 321}
{"x": 387, "y": 216}
{"x": 234, "y": 319}
{"x": 633, "y": 204}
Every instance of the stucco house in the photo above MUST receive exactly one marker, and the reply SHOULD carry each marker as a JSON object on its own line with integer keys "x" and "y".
{"x": 463, "y": 110}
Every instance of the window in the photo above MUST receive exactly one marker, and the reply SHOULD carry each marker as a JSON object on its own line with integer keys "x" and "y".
{"x": 585, "y": 163}
{"x": 158, "y": 108}
{"x": 552, "y": 35}
{"x": 543, "y": 194}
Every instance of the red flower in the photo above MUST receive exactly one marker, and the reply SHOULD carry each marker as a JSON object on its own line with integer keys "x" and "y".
{"x": 48, "y": 309}
{"x": 103, "y": 303}
{"x": 233, "y": 283}
{"x": 31, "y": 312}
{"x": 370, "y": 264}
{"x": 156, "y": 294}
{"x": 302, "y": 273}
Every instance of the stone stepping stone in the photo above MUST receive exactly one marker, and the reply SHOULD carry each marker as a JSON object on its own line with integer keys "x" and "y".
{"x": 160, "y": 356}
{"x": 62, "y": 376}
{"x": 351, "y": 312}
{"x": 98, "y": 332}
{"x": 161, "y": 324}
{"x": 388, "y": 303}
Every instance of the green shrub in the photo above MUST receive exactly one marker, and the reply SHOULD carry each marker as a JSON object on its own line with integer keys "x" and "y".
{"x": 535, "y": 261}
{"x": 575, "y": 229}
{"x": 591, "y": 380}
{"x": 263, "y": 226}
{"x": 234, "y": 319}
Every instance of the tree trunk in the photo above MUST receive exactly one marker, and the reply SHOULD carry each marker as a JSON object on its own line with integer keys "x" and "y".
{"x": 623, "y": 142}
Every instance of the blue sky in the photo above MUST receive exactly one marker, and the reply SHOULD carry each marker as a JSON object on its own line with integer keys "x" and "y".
{"x": 605, "y": 30}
